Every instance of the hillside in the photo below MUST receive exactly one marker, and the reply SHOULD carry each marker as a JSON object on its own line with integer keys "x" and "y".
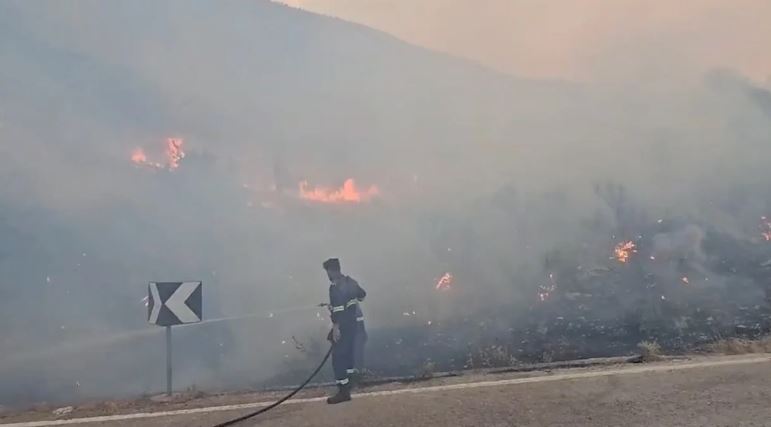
{"x": 263, "y": 97}
{"x": 243, "y": 142}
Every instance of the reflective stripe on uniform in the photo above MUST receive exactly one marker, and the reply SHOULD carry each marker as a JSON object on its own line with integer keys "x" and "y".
{"x": 350, "y": 371}
{"x": 360, "y": 319}
{"x": 342, "y": 382}
{"x": 352, "y": 302}
{"x": 338, "y": 308}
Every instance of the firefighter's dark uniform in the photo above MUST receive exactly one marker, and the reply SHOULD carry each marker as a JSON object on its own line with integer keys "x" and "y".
{"x": 359, "y": 341}
{"x": 344, "y": 295}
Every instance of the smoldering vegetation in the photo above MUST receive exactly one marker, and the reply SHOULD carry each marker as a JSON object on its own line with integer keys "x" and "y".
{"x": 521, "y": 190}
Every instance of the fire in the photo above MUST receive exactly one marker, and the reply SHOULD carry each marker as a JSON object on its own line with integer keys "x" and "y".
{"x": 445, "y": 282}
{"x": 545, "y": 291}
{"x": 174, "y": 154}
{"x": 766, "y": 233}
{"x": 624, "y": 251}
{"x": 348, "y": 193}
{"x": 138, "y": 156}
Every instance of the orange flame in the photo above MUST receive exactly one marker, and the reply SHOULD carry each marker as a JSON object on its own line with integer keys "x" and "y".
{"x": 174, "y": 154}
{"x": 348, "y": 193}
{"x": 766, "y": 233}
{"x": 445, "y": 282}
{"x": 623, "y": 251}
{"x": 138, "y": 156}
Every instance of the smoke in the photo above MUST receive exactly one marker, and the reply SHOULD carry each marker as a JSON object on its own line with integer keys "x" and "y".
{"x": 685, "y": 243}
{"x": 519, "y": 189}
{"x": 588, "y": 41}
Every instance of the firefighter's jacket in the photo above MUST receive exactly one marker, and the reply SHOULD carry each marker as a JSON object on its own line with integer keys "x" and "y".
{"x": 344, "y": 296}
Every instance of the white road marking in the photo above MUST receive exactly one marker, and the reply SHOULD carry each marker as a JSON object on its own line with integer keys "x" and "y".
{"x": 548, "y": 378}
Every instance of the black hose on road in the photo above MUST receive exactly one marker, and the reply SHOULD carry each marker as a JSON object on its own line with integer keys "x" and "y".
{"x": 282, "y": 400}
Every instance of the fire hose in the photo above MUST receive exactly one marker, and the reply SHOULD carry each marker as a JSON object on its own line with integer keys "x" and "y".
{"x": 283, "y": 399}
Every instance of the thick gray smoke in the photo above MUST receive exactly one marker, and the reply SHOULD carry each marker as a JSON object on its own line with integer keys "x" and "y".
{"x": 521, "y": 189}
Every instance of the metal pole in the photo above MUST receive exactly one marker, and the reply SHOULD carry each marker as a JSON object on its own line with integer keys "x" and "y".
{"x": 168, "y": 361}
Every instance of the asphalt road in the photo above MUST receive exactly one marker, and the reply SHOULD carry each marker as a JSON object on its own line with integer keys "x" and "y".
{"x": 715, "y": 391}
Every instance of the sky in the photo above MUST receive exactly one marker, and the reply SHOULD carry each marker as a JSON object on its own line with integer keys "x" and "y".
{"x": 575, "y": 40}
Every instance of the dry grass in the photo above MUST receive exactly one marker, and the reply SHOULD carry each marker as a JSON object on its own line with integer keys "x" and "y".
{"x": 427, "y": 370}
{"x": 741, "y": 346}
{"x": 650, "y": 351}
{"x": 494, "y": 356}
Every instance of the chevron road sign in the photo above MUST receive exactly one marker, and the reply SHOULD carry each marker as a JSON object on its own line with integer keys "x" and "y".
{"x": 174, "y": 303}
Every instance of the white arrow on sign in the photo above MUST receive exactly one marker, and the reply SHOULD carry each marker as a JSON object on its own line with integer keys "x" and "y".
{"x": 176, "y": 303}
{"x": 157, "y": 303}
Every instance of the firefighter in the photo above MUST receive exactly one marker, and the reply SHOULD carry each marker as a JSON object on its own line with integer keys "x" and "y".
{"x": 344, "y": 296}
{"x": 359, "y": 342}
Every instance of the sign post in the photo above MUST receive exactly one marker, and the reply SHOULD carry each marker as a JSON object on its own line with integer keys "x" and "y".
{"x": 168, "y": 361}
{"x": 170, "y": 304}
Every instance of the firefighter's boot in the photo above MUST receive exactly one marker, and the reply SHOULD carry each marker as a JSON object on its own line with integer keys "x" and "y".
{"x": 343, "y": 395}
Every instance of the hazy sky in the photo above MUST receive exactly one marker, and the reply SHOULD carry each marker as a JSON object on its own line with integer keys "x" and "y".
{"x": 575, "y": 39}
